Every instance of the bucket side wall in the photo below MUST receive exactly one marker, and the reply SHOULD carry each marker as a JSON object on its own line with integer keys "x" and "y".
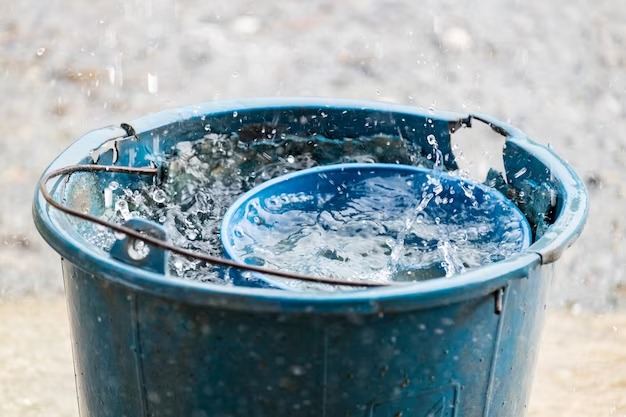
{"x": 235, "y": 363}
{"x": 137, "y": 354}
{"x": 104, "y": 344}
{"x": 523, "y": 318}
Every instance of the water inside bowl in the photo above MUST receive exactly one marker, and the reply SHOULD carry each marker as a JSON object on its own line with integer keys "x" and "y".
{"x": 379, "y": 222}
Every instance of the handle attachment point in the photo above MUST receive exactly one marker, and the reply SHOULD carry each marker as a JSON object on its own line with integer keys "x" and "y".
{"x": 140, "y": 253}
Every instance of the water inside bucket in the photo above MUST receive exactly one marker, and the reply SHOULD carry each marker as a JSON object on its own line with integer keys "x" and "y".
{"x": 205, "y": 176}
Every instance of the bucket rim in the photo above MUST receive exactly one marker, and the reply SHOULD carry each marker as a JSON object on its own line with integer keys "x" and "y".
{"x": 440, "y": 291}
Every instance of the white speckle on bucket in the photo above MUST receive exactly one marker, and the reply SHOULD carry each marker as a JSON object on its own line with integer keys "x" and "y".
{"x": 153, "y": 397}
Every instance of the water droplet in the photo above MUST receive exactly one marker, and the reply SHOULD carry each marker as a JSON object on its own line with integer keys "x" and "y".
{"x": 297, "y": 370}
{"x": 235, "y": 74}
{"x": 41, "y": 51}
{"x": 108, "y": 198}
{"x": 235, "y": 114}
{"x": 291, "y": 159}
{"x": 159, "y": 196}
{"x": 153, "y": 83}
{"x": 121, "y": 205}
{"x": 520, "y": 172}
{"x": 246, "y": 25}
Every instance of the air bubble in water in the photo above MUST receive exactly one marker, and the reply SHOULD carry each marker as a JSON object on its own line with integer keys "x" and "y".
{"x": 159, "y": 196}
{"x": 121, "y": 205}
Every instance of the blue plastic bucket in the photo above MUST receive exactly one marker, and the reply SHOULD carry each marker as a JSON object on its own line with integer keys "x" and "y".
{"x": 265, "y": 218}
{"x": 146, "y": 344}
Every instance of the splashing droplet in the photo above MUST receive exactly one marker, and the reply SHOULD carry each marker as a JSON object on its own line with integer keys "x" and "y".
{"x": 153, "y": 83}
{"x": 159, "y": 196}
{"x": 520, "y": 172}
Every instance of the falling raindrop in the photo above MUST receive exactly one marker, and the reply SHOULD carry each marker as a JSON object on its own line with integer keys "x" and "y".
{"x": 111, "y": 73}
{"x": 246, "y": 25}
{"x": 153, "y": 83}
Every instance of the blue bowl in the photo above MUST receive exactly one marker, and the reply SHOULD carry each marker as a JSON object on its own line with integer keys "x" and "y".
{"x": 261, "y": 226}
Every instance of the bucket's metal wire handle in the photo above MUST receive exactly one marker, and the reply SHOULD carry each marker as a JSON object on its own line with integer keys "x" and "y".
{"x": 154, "y": 172}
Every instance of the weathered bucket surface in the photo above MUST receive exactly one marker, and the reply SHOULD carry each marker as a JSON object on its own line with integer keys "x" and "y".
{"x": 264, "y": 217}
{"x": 146, "y": 344}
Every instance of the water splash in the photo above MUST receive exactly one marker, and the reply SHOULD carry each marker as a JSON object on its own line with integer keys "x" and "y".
{"x": 206, "y": 175}
{"x": 451, "y": 262}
